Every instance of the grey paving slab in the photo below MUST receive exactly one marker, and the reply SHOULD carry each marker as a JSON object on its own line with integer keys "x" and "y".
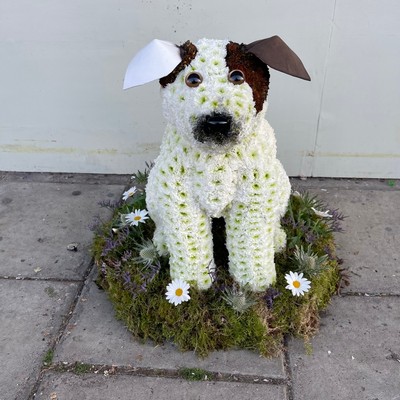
{"x": 72, "y": 387}
{"x": 39, "y": 220}
{"x": 370, "y": 245}
{"x": 96, "y": 337}
{"x": 31, "y": 314}
{"x": 355, "y": 355}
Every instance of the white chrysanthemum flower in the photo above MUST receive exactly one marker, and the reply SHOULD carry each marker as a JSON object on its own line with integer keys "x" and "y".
{"x": 135, "y": 217}
{"x": 297, "y": 284}
{"x": 177, "y": 292}
{"x": 322, "y": 214}
{"x": 129, "y": 193}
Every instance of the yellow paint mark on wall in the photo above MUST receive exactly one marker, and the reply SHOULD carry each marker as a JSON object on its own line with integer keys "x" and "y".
{"x": 32, "y": 149}
{"x": 19, "y": 148}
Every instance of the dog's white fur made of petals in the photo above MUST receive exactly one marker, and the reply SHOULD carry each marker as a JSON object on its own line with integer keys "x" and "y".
{"x": 193, "y": 182}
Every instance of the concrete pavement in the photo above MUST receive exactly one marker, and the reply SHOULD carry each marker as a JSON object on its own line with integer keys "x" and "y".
{"x": 59, "y": 338}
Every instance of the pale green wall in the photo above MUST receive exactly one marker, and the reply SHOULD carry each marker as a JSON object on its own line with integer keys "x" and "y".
{"x": 63, "y": 62}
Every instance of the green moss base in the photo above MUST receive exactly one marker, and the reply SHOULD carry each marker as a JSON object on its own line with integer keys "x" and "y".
{"x": 208, "y": 322}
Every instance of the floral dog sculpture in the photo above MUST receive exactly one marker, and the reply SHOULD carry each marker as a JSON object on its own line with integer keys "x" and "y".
{"x": 218, "y": 156}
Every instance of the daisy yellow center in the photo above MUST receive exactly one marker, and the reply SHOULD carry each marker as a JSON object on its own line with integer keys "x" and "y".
{"x": 296, "y": 284}
{"x": 137, "y": 218}
{"x": 179, "y": 292}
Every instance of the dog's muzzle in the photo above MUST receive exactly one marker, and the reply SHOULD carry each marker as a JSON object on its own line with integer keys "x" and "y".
{"x": 216, "y": 128}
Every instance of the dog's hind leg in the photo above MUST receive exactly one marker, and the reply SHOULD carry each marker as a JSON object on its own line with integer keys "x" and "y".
{"x": 283, "y": 194}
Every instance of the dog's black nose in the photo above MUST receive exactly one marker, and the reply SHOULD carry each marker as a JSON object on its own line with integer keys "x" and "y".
{"x": 215, "y": 128}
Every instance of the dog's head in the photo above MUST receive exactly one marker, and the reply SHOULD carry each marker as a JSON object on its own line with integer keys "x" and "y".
{"x": 214, "y": 89}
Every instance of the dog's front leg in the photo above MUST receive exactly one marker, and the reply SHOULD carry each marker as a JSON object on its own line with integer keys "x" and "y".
{"x": 189, "y": 243}
{"x": 250, "y": 228}
{"x": 183, "y": 230}
{"x": 250, "y": 242}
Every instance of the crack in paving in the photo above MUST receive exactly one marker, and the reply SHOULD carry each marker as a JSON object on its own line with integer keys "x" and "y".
{"x": 61, "y": 178}
{"x": 368, "y": 294}
{"x": 373, "y": 184}
{"x": 287, "y": 369}
{"x": 40, "y": 279}
{"x": 80, "y": 368}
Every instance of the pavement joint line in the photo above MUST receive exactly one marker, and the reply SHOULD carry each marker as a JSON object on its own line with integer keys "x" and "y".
{"x": 79, "y": 368}
{"x": 339, "y": 189}
{"x": 355, "y": 184}
{"x": 368, "y": 294}
{"x": 377, "y": 184}
{"x": 40, "y": 279}
{"x": 65, "y": 178}
{"x": 69, "y": 280}
{"x": 63, "y": 325}
{"x": 287, "y": 369}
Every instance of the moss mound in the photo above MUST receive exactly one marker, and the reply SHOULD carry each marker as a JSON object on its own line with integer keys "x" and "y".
{"x": 224, "y": 316}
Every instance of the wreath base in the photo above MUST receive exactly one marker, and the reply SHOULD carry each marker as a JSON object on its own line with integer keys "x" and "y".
{"x": 224, "y": 316}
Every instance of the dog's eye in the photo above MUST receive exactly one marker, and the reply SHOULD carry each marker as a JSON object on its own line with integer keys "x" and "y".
{"x": 193, "y": 79}
{"x": 236, "y": 77}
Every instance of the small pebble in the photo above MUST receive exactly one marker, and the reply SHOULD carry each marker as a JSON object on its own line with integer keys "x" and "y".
{"x": 72, "y": 247}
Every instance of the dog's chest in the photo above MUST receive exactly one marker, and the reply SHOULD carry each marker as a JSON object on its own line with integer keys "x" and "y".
{"x": 213, "y": 181}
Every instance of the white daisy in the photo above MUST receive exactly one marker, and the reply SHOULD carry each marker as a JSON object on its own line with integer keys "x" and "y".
{"x": 322, "y": 214}
{"x": 297, "y": 284}
{"x": 129, "y": 193}
{"x": 135, "y": 217}
{"x": 177, "y": 292}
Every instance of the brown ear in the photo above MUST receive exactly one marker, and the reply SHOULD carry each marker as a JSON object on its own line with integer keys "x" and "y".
{"x": 276, "y": 54}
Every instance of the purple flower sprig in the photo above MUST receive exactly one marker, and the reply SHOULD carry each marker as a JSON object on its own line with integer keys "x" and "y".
{"x": 270, "y": 295}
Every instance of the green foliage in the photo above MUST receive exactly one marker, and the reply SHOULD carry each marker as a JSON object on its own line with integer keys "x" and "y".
{"x": 81, "y": 368}
{"x": 194, "y": 374}
{"x": 224, "y": 316}
{"x": 391, "y": 182}
{"x": 301, "y": 221}
{"x": 48, "y": 357}
{"x": 308, "y": 262}
{"x": 240, "y": 299}
{"x": 140, "y": 178}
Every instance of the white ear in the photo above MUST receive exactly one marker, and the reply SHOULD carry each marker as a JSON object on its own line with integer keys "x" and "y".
{"x": 154, "y": 61}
